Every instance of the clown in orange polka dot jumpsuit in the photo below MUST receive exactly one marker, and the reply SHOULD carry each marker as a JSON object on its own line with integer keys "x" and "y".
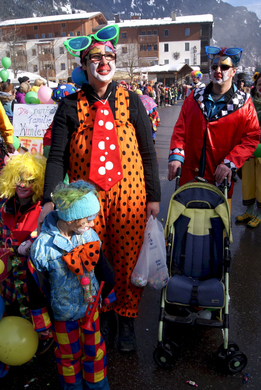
{"x": 126, "y": 206}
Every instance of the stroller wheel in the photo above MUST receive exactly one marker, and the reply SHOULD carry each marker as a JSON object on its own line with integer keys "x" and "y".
{"x": 232, "y": 347}
{"x": 236, "y": 362}
{"x": 166, "y": 355}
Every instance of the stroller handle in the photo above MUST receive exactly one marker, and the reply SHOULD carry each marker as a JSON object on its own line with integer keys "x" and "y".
{"x": 178, "y": 175}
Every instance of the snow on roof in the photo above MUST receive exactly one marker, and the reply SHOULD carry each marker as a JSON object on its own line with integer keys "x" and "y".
{"x": 163, "y": 68}
{"x": 52, "y": 18}
{"x": 32, "y": 77}
{"x": 164, "y": 21}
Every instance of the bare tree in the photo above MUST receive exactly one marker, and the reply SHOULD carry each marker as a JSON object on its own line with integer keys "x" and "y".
{"x": 16, "y": 48}
{"x": 128, "y": 58}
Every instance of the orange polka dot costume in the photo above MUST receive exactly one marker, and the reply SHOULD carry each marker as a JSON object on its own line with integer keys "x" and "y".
{"x": 122, "y": 219}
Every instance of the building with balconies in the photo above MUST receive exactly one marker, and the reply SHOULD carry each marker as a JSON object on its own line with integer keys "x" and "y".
{"x": 36, "y": 44}
{"x": 169, "y": 41}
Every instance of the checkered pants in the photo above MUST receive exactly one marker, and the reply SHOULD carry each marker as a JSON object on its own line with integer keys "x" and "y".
{"x": 80, "y": 354}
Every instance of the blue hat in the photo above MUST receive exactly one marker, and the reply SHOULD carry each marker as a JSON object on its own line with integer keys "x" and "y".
{"x": 61, "y": 91}
{"x": 84, "y": 207}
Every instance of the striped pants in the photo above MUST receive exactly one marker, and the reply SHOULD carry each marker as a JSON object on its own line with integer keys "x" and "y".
{"x": 80, "y": 355}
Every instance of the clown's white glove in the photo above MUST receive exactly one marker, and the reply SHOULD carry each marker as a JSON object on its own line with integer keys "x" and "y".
{"x": 24, "y": 248}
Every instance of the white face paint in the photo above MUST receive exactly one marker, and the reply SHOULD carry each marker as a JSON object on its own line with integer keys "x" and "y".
{"x": 219, "y": 76}
{"x": 100, "y": 77}
{"x": 81, "y": 230}
{"x": 220, "y": 80}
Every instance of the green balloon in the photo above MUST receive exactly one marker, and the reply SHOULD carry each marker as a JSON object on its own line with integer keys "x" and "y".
{"x": 257, "y": 152}
{"x": 16, "y": 142}
{"x": 31, "y": 98}
{"x": 6, "y": 62}
{"x": 4, "y": 74}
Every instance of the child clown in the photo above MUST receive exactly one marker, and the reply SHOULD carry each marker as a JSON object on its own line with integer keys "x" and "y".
{"x": 67, "y": 251}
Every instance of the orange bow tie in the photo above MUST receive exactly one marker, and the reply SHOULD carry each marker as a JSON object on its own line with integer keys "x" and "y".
{"x": 86, "y": 255}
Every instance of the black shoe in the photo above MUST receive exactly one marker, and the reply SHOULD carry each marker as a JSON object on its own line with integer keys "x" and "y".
{"x": 127, "y": 338}
{"x": 44, "y": 345}
{"x": 108, "y": 324}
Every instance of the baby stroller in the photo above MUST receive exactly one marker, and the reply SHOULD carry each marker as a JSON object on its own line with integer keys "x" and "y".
{"x": 197, "y": 235}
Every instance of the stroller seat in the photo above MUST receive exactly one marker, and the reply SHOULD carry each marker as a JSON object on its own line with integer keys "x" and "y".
{"x": 198, "y": 233}
{"x": 196, "y": 261}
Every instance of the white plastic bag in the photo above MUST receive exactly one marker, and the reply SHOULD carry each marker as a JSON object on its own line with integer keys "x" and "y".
{"x": 151, "y": 266}
{"x": 158, "y": 272}
{"x": 139, "y": 276}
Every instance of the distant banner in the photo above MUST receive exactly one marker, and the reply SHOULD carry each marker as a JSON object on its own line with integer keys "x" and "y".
{"x": 32, "y": 120}
{"x": 34, "y": 145}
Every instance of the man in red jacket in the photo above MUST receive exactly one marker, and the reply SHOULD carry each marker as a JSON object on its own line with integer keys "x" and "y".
{"x": 217, "y": 129}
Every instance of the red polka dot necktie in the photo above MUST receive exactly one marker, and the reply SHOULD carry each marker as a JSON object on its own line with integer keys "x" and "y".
{"x": 105, "y": 166}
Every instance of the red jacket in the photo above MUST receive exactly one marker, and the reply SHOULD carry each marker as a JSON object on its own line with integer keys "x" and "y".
{"x": 232, "y": 137}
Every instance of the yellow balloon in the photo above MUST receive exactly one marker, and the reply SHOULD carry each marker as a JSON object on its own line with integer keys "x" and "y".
{"x": 18, "y": 341}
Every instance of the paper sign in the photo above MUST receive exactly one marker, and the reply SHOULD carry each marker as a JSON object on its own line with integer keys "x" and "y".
{"x": 34, "y": 145}
{"x": 32, "y": 120}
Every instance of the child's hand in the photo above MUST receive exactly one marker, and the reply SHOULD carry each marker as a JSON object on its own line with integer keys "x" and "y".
{"x": 24, "y": 248}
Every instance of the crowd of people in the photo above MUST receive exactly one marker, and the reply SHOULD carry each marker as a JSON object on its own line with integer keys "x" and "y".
{"x": 78, "y": 240}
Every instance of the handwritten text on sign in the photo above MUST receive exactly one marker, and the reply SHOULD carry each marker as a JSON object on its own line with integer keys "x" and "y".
{"x": 32, "y": 120}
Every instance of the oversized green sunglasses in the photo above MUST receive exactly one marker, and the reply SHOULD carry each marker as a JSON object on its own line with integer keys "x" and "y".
{"x": 107, "y": 33}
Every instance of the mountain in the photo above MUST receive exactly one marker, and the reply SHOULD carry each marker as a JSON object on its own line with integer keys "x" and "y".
{"x": 233, "y": 26}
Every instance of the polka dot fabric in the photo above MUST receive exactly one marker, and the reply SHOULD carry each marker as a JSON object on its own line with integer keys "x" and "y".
{"x": 86, "y": 255}
{"x": 122, "y": 218}
{"x": 105, "y": 169}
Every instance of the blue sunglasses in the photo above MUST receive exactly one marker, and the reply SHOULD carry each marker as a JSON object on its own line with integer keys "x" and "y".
{"x": 234, "y": 52}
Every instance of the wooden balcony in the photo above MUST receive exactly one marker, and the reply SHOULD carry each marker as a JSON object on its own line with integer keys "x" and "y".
{"x": 50, "y": 73}
{"x": 46, "y": 57}
{"x": 148, "y": 39}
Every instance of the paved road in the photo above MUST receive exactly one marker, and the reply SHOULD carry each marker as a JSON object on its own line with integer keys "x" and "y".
{"x": 138, "y": 371}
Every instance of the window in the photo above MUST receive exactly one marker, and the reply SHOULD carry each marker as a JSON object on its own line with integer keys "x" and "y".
{"x": 74, "y": 65}
{"x": 186, "y": 46}
{"x": 61, "y": 50}
{"x": 7, "y": 53}
{"x": 64, "y": 34}
{"x": 166, "y": 47}
{"x": 33, "y": 52}
{"x": 125, "y": 64}
{"x": 166, "y": 62}
{"x": 63, "y": 25}
{"x": 78, "y": 33}
{"x": 124, "y": 49}
{"x": 36, "y": 36}
{"x": 50, "y": 35}
{"x": 204, "y": 31}
{"x": 43, "y": 35}
{"x": 35, "y": 27}
{"x": 47, "y": 50}
{"x": 166, "y": 33}
{"x": 124, "y": 35}
{"x": 143, "y": 33}
{"x": 187, "y": 32}
{"x": 142, "y": 47}
{"x": 22, "y": 37}
{"x": 71, "y": 33}
{"x": 155, "y": 32}
{"x": 155, "y": 47}
{"x": 149, "y": 47}
{"x": 62, "y": 66}
{"x": 187, "y": 61}
{"x": 35, "y": 68}
{"x": 149, "y": 32}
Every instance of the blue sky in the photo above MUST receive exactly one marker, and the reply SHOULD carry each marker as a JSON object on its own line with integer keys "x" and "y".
{"x": 252, "y": 5}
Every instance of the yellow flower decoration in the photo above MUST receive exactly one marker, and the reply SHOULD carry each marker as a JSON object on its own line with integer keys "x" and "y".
{"x": 255, "y": 76}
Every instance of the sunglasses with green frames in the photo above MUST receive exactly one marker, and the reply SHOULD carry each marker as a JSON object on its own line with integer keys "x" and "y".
{"x": 107, "y": 33}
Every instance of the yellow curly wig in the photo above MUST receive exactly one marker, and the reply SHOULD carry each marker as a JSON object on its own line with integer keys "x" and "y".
{"x": 23, "y": 167}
